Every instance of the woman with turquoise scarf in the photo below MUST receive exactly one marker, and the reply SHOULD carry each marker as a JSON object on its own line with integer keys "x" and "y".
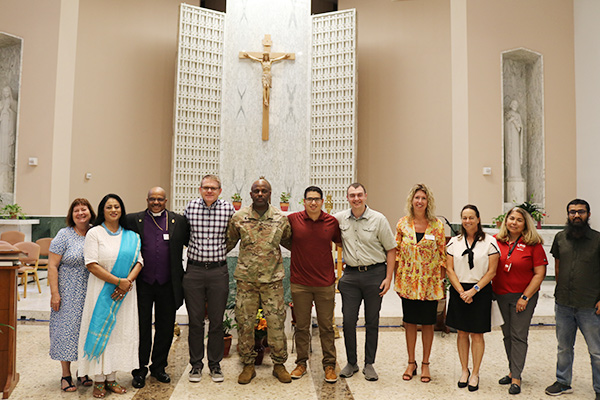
{"x": 109, "y": 336}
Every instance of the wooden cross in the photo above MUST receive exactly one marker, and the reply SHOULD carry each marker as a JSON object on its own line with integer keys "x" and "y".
{"x": 266, "y": 59}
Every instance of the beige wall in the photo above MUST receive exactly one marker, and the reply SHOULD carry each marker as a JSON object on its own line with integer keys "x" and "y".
{"x": 122, "y": 112}
{"x": 404, "y": 101}
{"x": 124, "y": 91}
{"x": 587, "y": 65}
{"x": 544, "y": 26}
{"x": 405, "y": 98}
{"x": 37, "y": 23}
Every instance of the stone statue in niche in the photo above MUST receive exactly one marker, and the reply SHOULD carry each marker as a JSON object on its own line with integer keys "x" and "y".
{"x": 513, "y": 131}
{"x": 514, "y": 141}
{"x": 8, "y": 126}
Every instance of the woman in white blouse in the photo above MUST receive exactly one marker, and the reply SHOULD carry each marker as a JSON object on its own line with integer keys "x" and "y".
{"x": 472, "y": 258}
{"x": 109, "y": 336}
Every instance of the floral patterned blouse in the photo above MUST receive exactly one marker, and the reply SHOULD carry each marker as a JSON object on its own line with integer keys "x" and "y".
{"x": 420, "y": 265}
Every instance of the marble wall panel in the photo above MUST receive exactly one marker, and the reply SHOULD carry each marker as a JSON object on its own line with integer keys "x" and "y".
{"x": 284, "y": 158}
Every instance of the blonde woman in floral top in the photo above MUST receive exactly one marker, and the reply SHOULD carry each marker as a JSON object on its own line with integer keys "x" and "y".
{"x": 420, "y": 273}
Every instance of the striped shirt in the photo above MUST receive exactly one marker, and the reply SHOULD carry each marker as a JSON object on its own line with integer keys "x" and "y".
{"x": 208, "y": 226}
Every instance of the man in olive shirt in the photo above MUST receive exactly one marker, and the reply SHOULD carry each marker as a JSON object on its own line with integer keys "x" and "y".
{"x": 259, "y": 274}
{"x": 370, "y": 254}
{"x": 576, "y": 250}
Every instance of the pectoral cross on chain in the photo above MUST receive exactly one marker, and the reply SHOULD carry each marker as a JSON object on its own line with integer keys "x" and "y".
{"x": 266, "y": 59}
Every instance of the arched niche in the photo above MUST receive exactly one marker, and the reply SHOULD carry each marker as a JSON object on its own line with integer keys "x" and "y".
{"x": 523, "y": 105}
{"x": 10, "y": 83}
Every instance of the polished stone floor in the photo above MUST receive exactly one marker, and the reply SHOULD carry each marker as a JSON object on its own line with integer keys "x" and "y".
{"x": 40, "y": 375}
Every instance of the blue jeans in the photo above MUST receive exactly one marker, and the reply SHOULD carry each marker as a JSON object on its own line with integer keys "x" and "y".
{"x": 568, "y": 319}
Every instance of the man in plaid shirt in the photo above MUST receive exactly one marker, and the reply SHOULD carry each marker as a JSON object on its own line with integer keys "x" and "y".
{"x": 206, "y": 280}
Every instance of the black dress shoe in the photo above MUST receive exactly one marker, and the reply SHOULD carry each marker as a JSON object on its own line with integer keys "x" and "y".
{"x": 463, "y": 385}
{"x": 138, "y": 381}
{"x": 514, "y": 389}
{"x": 505, "y": 380}
{"x": 161, "y": 376}
{"x": 474, "y": 388}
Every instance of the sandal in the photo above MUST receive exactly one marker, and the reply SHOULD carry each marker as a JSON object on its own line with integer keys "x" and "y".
{"x": 425, "y": 378}
{"x": 99, "y": 390}
{"x": 406, "y": 376}
{"x": 70, "y": 387}
{"x": 84, "y": 380}
{"x": 115, "y": 387}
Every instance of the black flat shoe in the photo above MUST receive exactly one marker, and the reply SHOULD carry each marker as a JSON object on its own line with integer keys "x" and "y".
{"x": 161, "y": 376}
{"x": 474, "y": 388}
{"x": 505, "y": 380}
{"x": 138, "y": 381}
{"x": 463, "y": 385}
{"x": 514, "y": 389}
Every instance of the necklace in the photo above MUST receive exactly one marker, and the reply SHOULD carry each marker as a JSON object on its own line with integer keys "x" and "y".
{"x": 156, "y": 223}
{"x": 79, "y": 232}
{"x": 111, "y": 233}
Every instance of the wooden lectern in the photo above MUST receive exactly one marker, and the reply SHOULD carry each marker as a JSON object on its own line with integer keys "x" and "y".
{"x": 8, "y": 316}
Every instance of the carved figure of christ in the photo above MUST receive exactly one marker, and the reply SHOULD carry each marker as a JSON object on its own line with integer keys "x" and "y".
{"x": 266, "y": 59}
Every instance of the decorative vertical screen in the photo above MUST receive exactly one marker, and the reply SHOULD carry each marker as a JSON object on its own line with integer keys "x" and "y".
{"x": 197, "y": 102}
{"x": 333, "y": 115}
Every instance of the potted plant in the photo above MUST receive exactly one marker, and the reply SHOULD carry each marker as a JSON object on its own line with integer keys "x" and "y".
{"x": 11, "y": 327}
{"x": 284, "y": 201}
{"x": 236, "y": 200}
{"x": 536, "y": 212}
{"x": 12, "y": 211}
{"x": 260, "y": 336}
{"x": 498, "y": 220}
{"x": 228, "y": 325}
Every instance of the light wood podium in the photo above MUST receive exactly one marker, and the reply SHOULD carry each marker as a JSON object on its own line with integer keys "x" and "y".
{"x": 8, "y": 338}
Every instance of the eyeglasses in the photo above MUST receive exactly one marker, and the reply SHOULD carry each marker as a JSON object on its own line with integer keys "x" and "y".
{"x": 156, "y": 199}
{"x": 209, "y": 188}
{"x": 313, "y": 199}
{"x": 575, "y": 212}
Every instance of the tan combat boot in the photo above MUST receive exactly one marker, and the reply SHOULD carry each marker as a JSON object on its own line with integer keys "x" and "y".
{"x": 281, "y": 373}
{"x": 247, "y": 374}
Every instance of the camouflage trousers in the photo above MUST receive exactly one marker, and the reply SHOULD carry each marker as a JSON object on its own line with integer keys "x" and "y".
{"x": 268, "y": 296}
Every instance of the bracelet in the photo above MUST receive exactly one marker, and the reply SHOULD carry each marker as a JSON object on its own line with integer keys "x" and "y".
{"x": 119, "y": 283}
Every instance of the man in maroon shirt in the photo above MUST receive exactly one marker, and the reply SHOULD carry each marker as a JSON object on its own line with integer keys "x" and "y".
{"x": 313, "y": 279}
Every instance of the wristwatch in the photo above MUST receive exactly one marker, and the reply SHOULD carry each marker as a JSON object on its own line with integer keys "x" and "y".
{"x": 524, "y": 297}
{"x": 477, "y": 288}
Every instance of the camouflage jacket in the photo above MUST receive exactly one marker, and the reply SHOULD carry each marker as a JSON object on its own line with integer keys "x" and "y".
{"x": 260, "y": 259}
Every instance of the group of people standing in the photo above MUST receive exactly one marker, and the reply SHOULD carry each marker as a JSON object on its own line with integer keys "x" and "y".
{"x": 115, "y": 303}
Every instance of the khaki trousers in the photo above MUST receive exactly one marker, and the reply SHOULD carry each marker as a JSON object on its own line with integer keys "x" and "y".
{"x": 324, "y": 300}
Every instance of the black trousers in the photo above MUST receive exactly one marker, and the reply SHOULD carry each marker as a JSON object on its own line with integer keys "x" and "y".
{"x": 163, "y": 300}
{"x": 201, "y": 285}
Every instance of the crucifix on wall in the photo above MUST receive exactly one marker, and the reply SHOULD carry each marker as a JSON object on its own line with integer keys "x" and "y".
{"x": 266, "y": 59}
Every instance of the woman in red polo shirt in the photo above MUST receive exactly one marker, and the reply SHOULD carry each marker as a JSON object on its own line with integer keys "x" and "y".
{"x": 521, "y": 270}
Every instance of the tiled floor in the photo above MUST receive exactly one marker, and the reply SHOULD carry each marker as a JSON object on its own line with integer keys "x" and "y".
{"x": 40, "y": 375}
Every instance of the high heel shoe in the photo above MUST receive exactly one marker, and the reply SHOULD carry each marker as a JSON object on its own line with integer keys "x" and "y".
{"x": 474, "y": 388}
{"x": 425, "y": 378}
{"x": 463, "y": 385}
{"x": 408, "y": 377}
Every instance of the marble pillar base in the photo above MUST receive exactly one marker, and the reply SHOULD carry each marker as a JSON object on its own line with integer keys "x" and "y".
{"x": 516, "y": 191}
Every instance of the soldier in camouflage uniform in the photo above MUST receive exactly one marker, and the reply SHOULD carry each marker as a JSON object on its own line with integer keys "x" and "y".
{"x": 259, "y": 273}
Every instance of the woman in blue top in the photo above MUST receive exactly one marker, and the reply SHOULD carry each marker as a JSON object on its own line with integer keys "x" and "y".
{"x": 68, "y": 279}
